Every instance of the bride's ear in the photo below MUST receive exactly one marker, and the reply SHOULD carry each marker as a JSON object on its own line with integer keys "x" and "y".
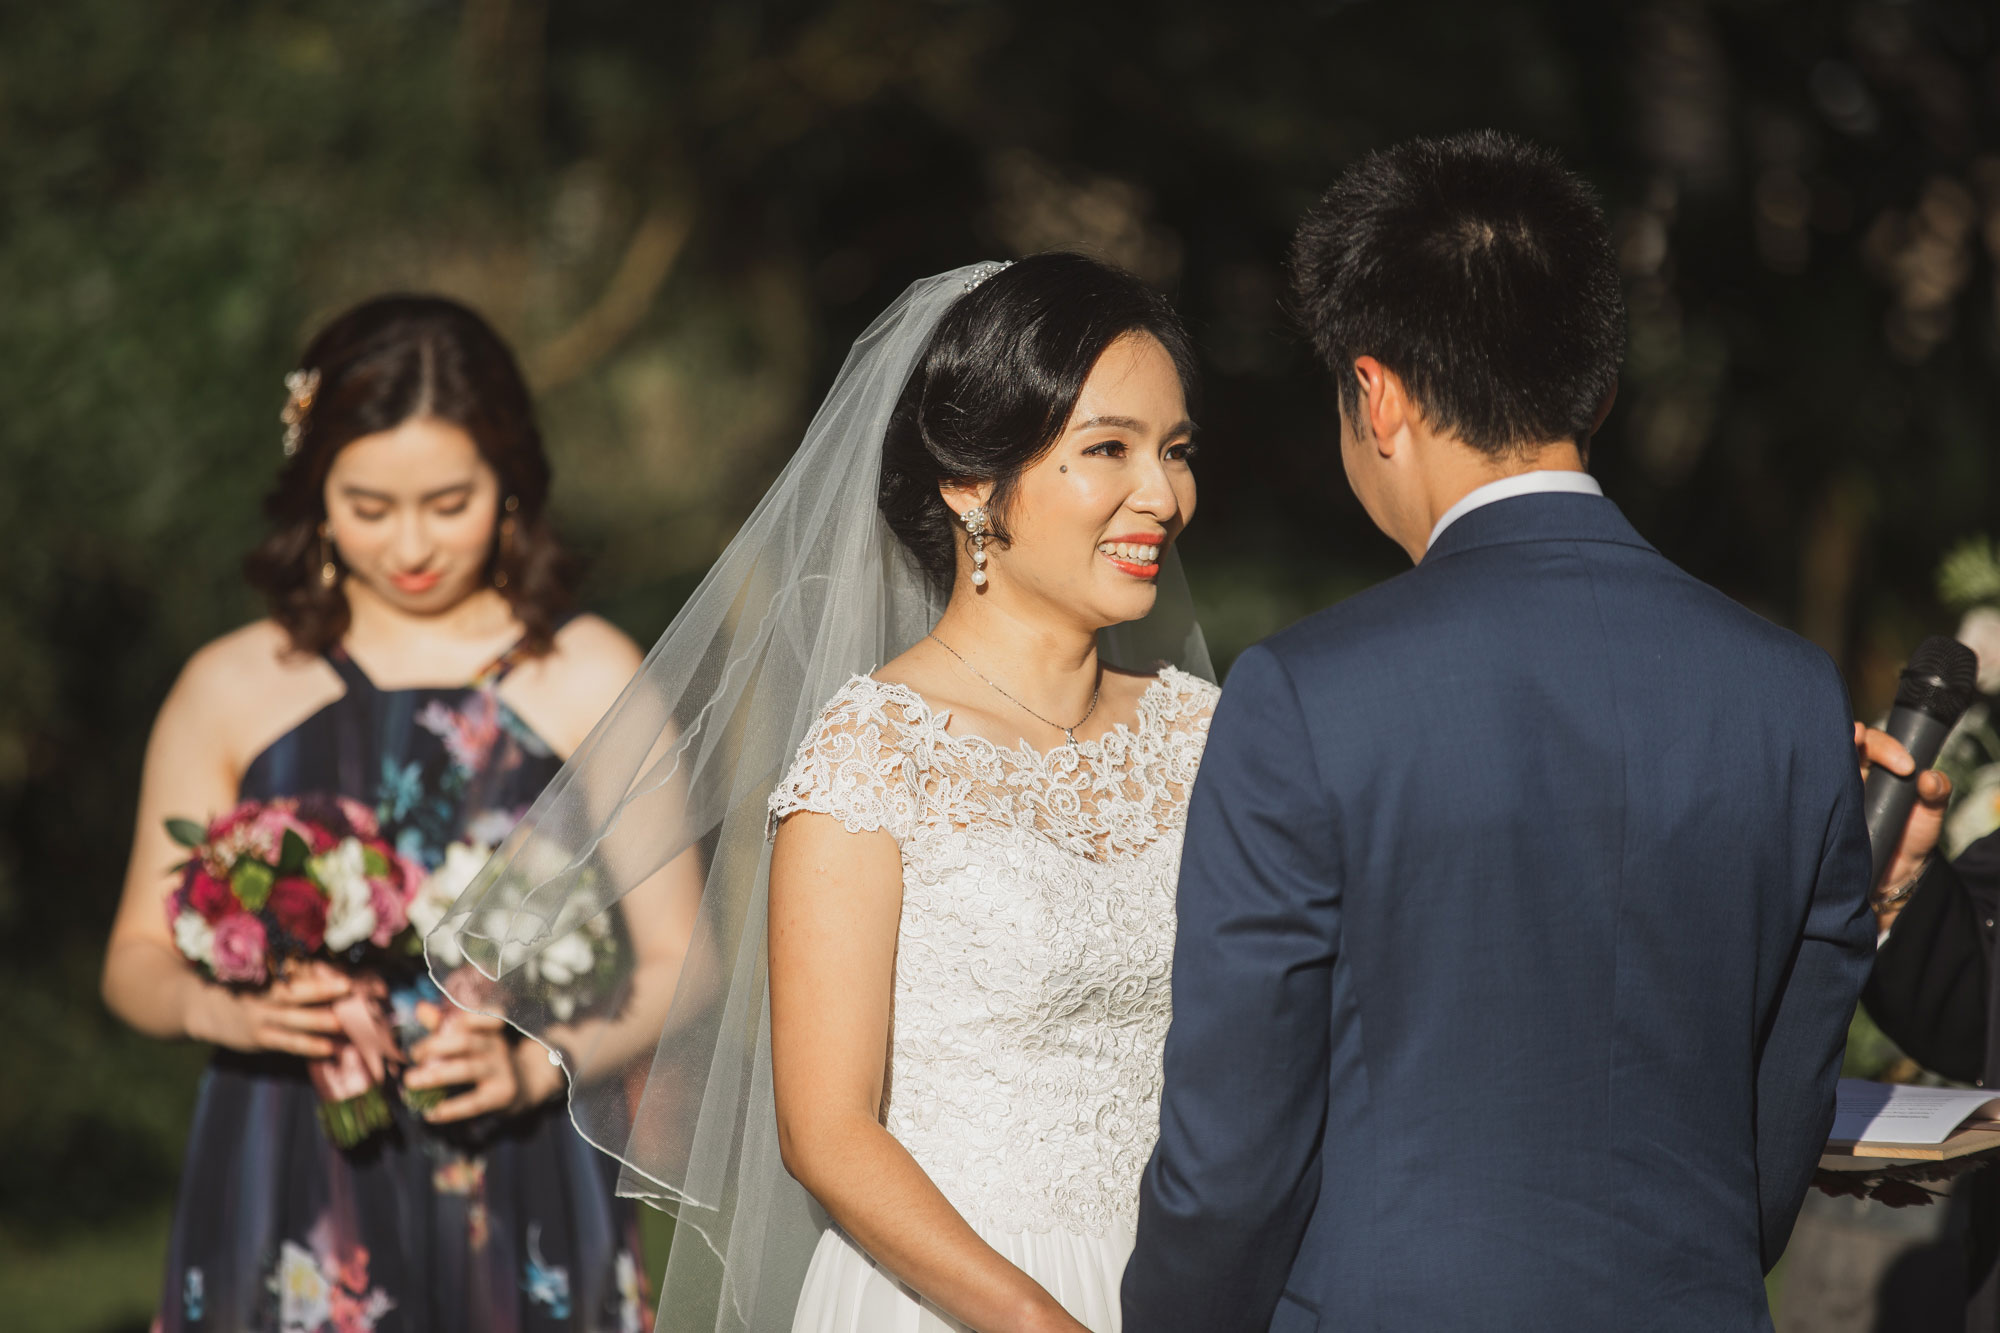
{"x": 961, "y": 498}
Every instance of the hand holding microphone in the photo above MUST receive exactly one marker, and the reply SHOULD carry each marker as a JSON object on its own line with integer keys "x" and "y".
{"x": 1925, "y": 827}
{"x": 1904, "y": 799}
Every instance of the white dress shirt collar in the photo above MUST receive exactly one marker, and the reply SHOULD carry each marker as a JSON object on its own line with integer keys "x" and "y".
{"x": 1521, "y": 483}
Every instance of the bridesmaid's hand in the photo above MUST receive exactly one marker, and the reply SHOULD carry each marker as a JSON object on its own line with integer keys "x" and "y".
{"x": 291, "y": 1016}
{"x": 473, "y": 1049}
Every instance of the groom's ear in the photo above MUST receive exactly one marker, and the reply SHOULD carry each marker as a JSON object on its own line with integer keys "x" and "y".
{"x": 1603, "y": 410}
{"x": 1384, "y": 406}
{"x": 1597, "y": 423}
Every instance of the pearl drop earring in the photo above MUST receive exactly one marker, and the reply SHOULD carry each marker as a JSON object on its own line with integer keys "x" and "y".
{"x": 976, "y": 527}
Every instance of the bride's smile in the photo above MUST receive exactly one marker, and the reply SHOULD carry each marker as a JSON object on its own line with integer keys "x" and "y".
{"x": 1088, "y": 522}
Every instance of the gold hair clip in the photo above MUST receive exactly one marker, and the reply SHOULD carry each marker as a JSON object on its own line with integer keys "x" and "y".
{"x": 300, "y": 388}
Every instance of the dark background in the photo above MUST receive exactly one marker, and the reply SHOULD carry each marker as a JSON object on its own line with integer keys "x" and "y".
{"x": 681, "y": 214}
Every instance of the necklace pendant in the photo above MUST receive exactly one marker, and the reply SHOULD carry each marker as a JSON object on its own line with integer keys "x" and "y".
{"x": 1069, "y": 735}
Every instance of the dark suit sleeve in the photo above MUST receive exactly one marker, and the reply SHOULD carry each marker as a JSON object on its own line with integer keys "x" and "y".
{"x": 1928, "y": 990}
{"x": 1235, "y": 1177}
{"x": 1799, "y": 1059}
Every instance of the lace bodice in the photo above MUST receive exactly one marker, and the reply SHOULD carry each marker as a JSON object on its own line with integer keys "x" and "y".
{"x": 1031, "y": 990}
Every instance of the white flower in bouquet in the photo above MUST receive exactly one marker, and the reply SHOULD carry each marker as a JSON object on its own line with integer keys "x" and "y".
{"x": 565, "y": 959}
{"x": 1980, "y": 631}
{"x": 462, "y": 862}
{"x": 194, "y": 937}
{"x": 350, "y": 908}
{"x": 490, "y": 828}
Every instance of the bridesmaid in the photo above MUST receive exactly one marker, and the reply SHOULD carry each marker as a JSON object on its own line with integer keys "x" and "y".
{"x": 419, "y": 657}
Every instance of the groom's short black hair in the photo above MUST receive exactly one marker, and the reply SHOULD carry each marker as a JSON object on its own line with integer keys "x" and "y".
{"x": 1479, "y": 269}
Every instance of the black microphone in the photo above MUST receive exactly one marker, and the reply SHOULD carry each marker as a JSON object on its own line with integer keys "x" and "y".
{"x": 1936, "y": 688}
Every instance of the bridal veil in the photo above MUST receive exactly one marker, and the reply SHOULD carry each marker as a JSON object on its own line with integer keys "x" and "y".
{"x": 669, "y": 792}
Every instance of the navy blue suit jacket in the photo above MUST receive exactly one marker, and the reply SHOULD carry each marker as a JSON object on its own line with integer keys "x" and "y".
{"x": 1522, "y": 914}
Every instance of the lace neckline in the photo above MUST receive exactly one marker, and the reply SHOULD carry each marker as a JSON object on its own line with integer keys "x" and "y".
{"x": 1151, "y": 714}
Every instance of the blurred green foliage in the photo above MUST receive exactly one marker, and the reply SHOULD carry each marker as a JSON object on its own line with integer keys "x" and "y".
{"x": 682, "y": 213}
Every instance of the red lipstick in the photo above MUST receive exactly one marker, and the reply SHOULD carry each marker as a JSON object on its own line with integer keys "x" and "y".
{"x": 1137, "y": 571}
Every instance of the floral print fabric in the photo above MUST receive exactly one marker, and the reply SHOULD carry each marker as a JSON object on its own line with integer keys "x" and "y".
{"x": 493, "y": 1227}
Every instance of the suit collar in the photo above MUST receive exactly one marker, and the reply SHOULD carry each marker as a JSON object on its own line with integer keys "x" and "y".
{"x": 1542, "y": 517}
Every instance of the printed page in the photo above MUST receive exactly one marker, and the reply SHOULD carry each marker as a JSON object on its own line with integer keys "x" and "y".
{"x": 1894, "y": 1113}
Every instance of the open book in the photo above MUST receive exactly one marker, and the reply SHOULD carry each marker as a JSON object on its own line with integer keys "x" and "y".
{"x": 1895, "y": 1113}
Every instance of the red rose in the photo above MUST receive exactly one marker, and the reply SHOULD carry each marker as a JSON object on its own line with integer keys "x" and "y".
{"x": 296, "y": 905}
{"x": 209, "y": 896}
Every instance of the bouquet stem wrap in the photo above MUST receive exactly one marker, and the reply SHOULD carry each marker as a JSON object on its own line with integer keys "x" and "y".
{"x": 349, "y": 1083}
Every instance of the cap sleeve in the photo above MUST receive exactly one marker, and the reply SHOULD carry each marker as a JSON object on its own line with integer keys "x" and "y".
{"x": 856, "y": 764}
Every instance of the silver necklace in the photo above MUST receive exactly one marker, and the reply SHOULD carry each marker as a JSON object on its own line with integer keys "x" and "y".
{"x": 1069, "y": 732}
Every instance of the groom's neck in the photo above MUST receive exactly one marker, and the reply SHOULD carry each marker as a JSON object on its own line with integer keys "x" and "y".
{"x": 1450, "y": 470}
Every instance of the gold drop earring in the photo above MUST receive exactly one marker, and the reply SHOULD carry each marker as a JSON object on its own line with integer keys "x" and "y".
{"x": 977, "y": 526}
{"x": 329, "y": 572}
{"x": 512, "y": 507}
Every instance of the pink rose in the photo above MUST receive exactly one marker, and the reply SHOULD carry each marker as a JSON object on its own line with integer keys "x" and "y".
{"x": 414, "y": 877}
{"x": 268, "y": 830}
{"x": 239, "y": 949}
{"x": 222, "y": 824}
{"x": 391, "y": 914}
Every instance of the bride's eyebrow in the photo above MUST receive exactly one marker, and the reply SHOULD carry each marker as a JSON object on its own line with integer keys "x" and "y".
{"x": 1115, "y": 423}
{"x": 1184, "y": 426}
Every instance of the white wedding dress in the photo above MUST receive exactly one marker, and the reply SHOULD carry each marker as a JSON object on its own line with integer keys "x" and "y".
{"x": 1031, "y": 990}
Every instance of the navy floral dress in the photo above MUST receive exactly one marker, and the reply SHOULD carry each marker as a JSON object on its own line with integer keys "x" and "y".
{"x": 497, "y": 1226}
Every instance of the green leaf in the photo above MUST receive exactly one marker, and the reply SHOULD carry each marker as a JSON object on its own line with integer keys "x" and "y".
{"x": 376, "y": 864}
{"x": 293, "y": 854}
{"x": 186, "y": 832}
{"x": 251, "y": 883}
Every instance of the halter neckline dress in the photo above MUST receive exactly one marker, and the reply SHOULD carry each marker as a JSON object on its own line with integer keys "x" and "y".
{"x": 505, "y": 1225}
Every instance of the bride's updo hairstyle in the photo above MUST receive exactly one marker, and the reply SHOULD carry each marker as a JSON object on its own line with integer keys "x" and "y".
{"x": 382, "y": 363}
{"x": 995, "y": 387}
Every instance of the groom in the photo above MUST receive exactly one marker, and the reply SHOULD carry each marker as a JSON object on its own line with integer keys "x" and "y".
{"x": 1522, "y": 906}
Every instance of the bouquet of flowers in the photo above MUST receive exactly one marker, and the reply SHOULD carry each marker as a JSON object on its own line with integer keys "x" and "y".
{"x": 274, "y": 883}
{"x": 576, "y": 973}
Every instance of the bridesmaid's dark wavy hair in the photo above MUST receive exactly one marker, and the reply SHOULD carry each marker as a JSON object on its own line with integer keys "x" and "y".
{"x": 382, "y": 363}
{"x": 996, "y": 385}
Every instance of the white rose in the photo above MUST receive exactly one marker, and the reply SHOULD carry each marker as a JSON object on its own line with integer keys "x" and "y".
{"x": 1980, "y": 631}
{"x": 566, "y": 959}
{"x": 490, "y": 828}
{"x": 350, "y": 908}
{"x": 462, "y": 862}
{"x": 194, "y": 937}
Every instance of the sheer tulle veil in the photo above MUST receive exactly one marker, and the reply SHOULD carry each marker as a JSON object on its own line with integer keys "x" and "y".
{"x": 663, "y": 809}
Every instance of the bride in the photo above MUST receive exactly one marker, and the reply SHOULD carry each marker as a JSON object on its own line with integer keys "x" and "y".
{"x": 972, "y": 890}
{"x": 936, "y": 999}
